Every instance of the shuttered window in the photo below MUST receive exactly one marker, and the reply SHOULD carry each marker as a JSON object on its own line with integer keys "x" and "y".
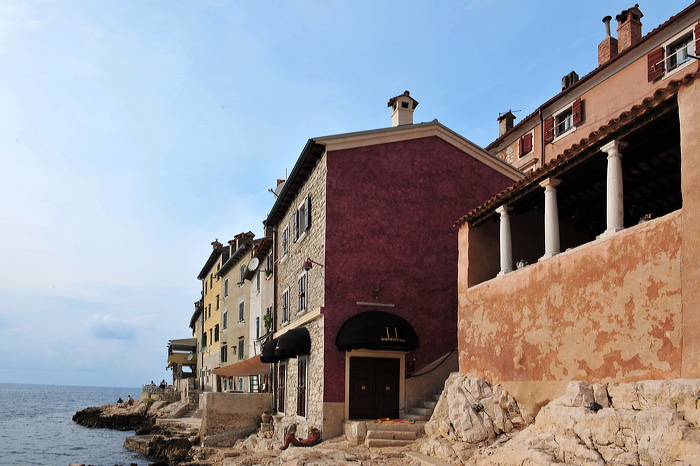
{"x": 549, "y": 129}
{"x": 697, "y": 39}
{"x": 302, "y": 218}
{"x": 525, "y": 144}
{"x": 655, "y": 63}
{"x": 578, "y": 112}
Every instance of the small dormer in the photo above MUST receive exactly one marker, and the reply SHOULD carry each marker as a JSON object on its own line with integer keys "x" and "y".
{"x": 402, "y": 109}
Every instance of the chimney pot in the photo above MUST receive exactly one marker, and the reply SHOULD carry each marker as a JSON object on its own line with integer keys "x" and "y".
{"x": 505, "y": 122}
{"x": 402, "y": 109}
{"x": 629, "y": 27}
{"x": 607, "y": 49}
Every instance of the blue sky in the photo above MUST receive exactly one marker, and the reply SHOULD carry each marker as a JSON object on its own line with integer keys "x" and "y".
{"x": 133, "y": 133}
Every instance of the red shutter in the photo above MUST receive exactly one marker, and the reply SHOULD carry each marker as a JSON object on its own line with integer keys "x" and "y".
{"x": 549, "y": 129}
{"x": 577, "y": 112}
{"x": 655, "y": 62}
{"x": 527, "y": 143}
{"x": 697, "y": 39}
{"x": 521, "y": 152}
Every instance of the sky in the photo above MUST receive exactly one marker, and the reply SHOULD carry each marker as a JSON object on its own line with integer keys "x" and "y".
{"x": 135, "y": 132}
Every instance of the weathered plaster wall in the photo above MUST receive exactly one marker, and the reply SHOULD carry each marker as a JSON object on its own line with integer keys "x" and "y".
{"x": 390, "y": 211}
{"x": 689, "y": 115}
{"x": 237, "y": 412}
{"x": 607, "y": 310}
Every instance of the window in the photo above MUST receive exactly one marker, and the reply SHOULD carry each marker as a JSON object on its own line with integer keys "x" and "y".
{"x": 301, "y": 385}
{"x": 226, "y": 288}
{"x": 241, "y": 342}
{"x": 281, "y": 386}
{"x": 564, "y": 121}
{"x": 211, "y": 281}
{"x": 254, "y": 384}
{"x": 285, "y": 305}
{"x": 204, "y": 340}
{"x": 257, "y": 280}
{"x": 301, "y": 288}
{"x": 677, "y": 52}
{"x": 525, "y": 145}
{"x": 217, "y": 302}
{"x": 285, "y": 241}
{"x": 224, "y": 353}
{"x": 209, "y": 310}
{"x": 257, "y": 328}
{"x": 241, "y": 311}
{"x": 224, "y": 320}
{"x": 216, "y": 332}
{"x": 302, "y": 218}
{"x": 244, "y": 269}
{"x": 211, "y": 336}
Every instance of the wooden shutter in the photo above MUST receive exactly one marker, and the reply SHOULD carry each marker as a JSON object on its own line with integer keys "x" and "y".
{"x": 655, "y": 63}
{"x": 577, "y": 112}
{"x": 296, "y": 225}
{"x": 697, "y": 40}
{"x": 549, "y": 129}
{"x": 520, "y": 146}
{"x": 307, "y": 213}
{"x": 527, "y": 143}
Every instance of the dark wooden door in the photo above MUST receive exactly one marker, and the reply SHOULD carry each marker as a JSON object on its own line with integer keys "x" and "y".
{"x": 374, "y": 388}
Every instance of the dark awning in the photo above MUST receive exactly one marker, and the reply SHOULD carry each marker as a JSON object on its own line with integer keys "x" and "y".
{"x": 268, "y": 352}
{"x": 293, "y": 343}
{"x": 377, "y": 330}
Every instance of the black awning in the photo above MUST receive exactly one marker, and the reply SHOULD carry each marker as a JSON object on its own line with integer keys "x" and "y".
{"x": 377, "y": 330}
{"x": 268, "y": 352}
{"x": 295, "y": 342}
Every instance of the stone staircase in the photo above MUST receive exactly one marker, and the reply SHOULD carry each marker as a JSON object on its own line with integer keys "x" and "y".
{"x": 424, "y": 410}
{"x": 392, "y": 434}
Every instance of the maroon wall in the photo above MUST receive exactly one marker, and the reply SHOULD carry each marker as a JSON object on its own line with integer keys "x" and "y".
{"x": 390, "y": 210}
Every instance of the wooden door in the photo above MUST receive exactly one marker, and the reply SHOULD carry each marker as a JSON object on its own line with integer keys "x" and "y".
{"x": 374, "y": 388}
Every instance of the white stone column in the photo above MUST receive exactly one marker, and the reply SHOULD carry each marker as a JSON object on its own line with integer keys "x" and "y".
{"x": 505, "y": 241}
{"x": 615, "y": 213}
{"x": 551, "y": 218}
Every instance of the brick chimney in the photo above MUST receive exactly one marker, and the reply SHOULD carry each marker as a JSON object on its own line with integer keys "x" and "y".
{"x": 402, "y": 109}
{"x": 505, "y": 122}
{"x": 607, "y": 49}
{"x": 629, "y": 27}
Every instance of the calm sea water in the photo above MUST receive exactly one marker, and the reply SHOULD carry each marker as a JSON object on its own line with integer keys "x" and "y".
{"x": 36, "y": 426}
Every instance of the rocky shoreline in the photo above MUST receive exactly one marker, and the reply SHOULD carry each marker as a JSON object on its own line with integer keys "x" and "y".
{"x": 474, "y": 423}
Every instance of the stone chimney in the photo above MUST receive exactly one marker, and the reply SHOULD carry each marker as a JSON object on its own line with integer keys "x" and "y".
{"x": 505, "y": 122}
{"x": 607, "y": 49}
{"x": 629, "y": 27}
{"x": 402, "y": 109}
{"x": 569, "y": 80}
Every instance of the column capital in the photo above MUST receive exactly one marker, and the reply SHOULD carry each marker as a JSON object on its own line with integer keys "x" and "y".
{"x": 614, "y": 147}
{"x": 550, "y": 183}
{"x": 504, "y": 210}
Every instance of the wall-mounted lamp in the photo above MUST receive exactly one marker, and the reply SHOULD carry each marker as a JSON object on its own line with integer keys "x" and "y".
{"x": 308, "y": 264}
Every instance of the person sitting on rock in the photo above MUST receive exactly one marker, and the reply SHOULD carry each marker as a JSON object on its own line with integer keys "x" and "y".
{"x": 120, "y": 401}
{"x": 312, "y": 440}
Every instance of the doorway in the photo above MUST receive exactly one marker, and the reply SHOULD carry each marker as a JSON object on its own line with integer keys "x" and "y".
{"x": 374, "y": 388}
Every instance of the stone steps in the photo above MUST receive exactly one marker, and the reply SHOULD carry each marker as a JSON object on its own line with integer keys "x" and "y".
{"x": 392, "y": 434}
{"x": 424, "y": 411}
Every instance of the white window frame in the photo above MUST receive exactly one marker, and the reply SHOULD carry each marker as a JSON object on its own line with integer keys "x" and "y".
{"x": 569, "y": 119}
{"x": 303, "y": 212}
{"x": 241, "y": 347}
{"x": 226, "y": 288}
{"x": 224, "y": 319}
{"x": 285, "y": 242}
{"x": 668, "y": 46}
{"x": 285, "y": 306}
{"x": 303, "y": 292}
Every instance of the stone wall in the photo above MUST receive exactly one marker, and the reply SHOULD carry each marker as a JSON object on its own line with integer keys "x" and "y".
{"x": 233, "y": 414}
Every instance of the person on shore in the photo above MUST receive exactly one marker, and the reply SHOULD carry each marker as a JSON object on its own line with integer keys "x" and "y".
{"x": 290, "y": 439}
{"x": 163, "y": 384}
{"x": 120, "y": 401}
{"x": 130, "y": 401}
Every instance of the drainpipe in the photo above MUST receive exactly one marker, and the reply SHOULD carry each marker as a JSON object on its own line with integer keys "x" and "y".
{"x": 539, "y": 112}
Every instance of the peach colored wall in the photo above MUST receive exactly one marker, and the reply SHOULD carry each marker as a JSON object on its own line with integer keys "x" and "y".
{"x": 607, "y": 310}
{"x": 689, "y": 115}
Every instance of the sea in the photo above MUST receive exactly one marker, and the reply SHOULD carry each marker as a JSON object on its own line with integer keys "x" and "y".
{"x": 36, "y": 426}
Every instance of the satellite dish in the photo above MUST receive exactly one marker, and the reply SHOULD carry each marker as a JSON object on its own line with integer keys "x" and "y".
{"x": 190, "y": 356}
{"x": 253, "y": 264}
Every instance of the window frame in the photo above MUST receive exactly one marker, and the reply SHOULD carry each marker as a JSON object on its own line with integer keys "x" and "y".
{"x": 285, "y": 242}
{"x": 226, "y": 288}
{"x": 302, "y": 219}
{"x": 241, "y": 347}
{"x": 224, "y": 319}
{"x": 241, "y": 310}
{"x": 285, "y": 306}
{"x": 302, "y": 384}
{"x": 281, "y": 386}
{"x": 671, "y": 57}
{"x": 302, "y": 291}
